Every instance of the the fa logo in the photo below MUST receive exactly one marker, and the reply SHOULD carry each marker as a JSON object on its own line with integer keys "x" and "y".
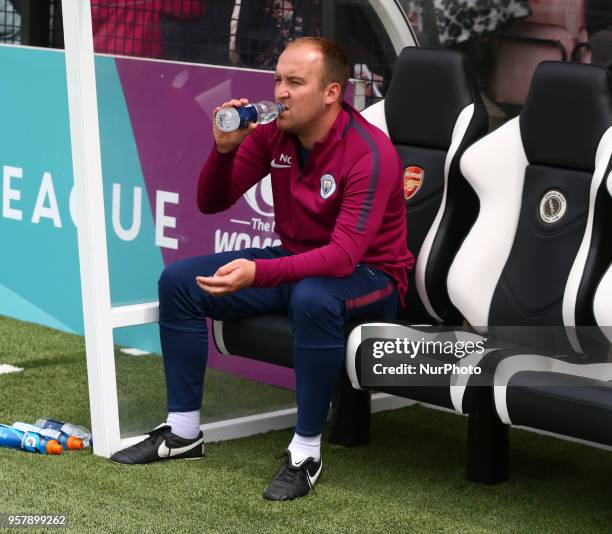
{"x": 328, "y": 185}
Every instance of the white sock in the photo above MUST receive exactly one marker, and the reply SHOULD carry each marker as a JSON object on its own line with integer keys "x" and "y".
{"x": 185, "y": 425}
{"x": 301, "y": 447}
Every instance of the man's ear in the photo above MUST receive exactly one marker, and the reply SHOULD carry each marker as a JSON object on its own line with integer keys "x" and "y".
{"x": 333, "y": 93}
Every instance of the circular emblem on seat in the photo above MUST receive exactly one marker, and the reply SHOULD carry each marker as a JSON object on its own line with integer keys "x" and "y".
{"x": 552, "y": 206}
{"x": 413, "y": 179}
{"x": 328, "y": 185}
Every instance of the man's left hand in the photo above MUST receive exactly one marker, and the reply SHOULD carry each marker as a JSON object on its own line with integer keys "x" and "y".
{"x": 231, "y": 277}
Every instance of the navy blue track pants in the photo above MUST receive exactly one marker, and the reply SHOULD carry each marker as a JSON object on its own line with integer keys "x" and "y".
{"x": 318, "y": 308}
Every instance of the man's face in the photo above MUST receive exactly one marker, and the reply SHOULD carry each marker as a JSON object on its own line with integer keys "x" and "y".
{"x": 299, "y": 86}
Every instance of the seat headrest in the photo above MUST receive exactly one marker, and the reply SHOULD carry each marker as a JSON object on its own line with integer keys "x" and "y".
{"x": 567, "y": 111}
{"x": 428, "y": 90}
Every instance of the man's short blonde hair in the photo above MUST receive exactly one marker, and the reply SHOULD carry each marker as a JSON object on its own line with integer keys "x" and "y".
{"x": 335, "y": 61}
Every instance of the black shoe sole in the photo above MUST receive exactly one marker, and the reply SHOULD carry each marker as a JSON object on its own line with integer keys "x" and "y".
{"x": 155, "y": 461}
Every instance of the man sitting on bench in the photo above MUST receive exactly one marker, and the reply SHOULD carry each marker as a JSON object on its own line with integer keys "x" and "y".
{"x": 340, "y": 214}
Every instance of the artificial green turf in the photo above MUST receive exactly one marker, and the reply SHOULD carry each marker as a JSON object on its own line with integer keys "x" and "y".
{"x": 409, "y": 479}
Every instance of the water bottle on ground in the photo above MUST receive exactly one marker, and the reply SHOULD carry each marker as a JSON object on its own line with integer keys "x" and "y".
{"x": 28, "y": 441}
{"x": 67, "y": 428}
{"x": 230, "y": 119}
{"x": 68, "y": 442}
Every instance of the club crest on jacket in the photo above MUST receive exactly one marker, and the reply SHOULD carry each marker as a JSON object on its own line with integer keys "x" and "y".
{"x": 328, "y": 185}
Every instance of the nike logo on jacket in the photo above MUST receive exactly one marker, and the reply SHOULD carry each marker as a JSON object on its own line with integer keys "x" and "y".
{"x": 279, "y": 165}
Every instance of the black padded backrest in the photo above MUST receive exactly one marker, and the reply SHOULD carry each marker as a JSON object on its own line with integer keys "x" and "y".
{"x": 428, "y": 90}
{"x": 433, "y": 112}
{"x": 565, "y": 115}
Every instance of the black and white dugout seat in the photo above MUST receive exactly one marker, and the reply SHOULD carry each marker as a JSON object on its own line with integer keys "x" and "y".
{"x": 525, "y": 276}
{"x": 432, "y": 112}
{"x": 569, "y": 394}
{"x": 527, "y": 272}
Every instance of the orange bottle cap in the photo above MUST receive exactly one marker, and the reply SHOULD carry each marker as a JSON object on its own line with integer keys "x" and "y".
{"x": 54, "y": 447}
{"x": 74, "y": 443}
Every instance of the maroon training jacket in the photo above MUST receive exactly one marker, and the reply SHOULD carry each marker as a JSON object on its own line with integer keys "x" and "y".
{"x": 346, "y": 206}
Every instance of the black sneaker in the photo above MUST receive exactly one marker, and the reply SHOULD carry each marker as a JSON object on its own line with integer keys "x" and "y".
{"x": 161, "y": 445}
{"x": 293, "y": 480}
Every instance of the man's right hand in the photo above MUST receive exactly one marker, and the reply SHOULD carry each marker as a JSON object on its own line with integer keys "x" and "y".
{"x": 228, "y": 141}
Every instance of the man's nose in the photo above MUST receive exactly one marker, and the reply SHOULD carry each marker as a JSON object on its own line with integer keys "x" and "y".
{"x": 282, "y": 92}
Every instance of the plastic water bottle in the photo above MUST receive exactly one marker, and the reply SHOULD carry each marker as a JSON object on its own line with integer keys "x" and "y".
{"x": 230, "y": 119}
{"x": 68, "y": 442}
{"x": 28, "y": 441}
{"x": 67, "y": 428}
